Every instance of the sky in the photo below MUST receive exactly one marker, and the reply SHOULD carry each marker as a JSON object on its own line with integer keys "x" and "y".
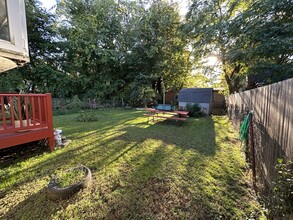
{"x": 48, "y": 3}
{"x": 183, "y": 5}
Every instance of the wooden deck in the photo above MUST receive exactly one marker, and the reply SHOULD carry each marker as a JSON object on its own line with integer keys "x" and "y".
{"x": 25, "y": 118}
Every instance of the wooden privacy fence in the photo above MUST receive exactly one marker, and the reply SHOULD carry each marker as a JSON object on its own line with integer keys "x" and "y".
{"x": 273, "y": 123}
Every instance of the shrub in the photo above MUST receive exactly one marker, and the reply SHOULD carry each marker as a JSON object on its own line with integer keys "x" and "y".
{"x": 283, "y": 190}
{"x": 194, "y": 110}
{"x": 88, "y": 117}
{"x": 66, "y": 104}
{"x": 74, "y": 103}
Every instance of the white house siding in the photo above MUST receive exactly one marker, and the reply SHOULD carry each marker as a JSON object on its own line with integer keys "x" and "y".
{"x": 205, "y": 106}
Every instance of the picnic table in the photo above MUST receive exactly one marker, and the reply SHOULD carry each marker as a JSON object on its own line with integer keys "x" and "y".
{"x": 167, "y": 115}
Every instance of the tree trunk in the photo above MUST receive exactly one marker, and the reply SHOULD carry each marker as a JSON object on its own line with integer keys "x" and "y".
{"x": 231, "y": 79}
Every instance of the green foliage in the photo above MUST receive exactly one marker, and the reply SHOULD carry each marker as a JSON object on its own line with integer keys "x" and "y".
{"x": 87, "y": 116}
{"x": 66, "y": 104}
{"x": 197, "y": 80}
{"x": 100, "y": 48}
{"x": 283, "y": 190}
{"x": 74, "y": 103}
{"x": 69, "y": 177}
{"x": 43, "y": 71}
{"x": 107, "y": 50}
{"x": 208, "y": 27}
{"x": 10, "y": 81}
{"x": 264, "y": 34}
{"x": 194, "y": 110}
{"x": 140, "y": 91}
{"x": 250, "y": 39}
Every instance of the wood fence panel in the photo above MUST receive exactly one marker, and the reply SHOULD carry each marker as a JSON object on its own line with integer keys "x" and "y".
{"x": 273, "y": 123}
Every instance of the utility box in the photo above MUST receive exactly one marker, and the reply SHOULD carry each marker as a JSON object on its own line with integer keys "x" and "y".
{"x": 13, "y": 34}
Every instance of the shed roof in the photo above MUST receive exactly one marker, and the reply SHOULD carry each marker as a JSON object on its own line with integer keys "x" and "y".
{"x": 197, "y": 95}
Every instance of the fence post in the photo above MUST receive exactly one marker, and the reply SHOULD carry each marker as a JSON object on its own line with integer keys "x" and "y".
{"x": 252, "y": 149}
{"x": 50, "y": 121}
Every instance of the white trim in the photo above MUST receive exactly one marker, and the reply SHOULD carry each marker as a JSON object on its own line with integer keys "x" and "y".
{"x": 17, "y": 47}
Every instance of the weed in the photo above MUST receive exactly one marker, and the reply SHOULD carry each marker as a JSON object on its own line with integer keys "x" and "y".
{"x": 283, "y": 190}
{"x": 69, "y": 177}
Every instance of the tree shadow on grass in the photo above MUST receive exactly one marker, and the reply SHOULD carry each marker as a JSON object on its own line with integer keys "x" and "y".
{"x": 36, "y": 206}
{"x": 85, "y": 153}
{"x": 149, "y": 170}
{"x": 39, "y": 200}
{"x": 108, "y": 121}
{"x": 193, "y": 134}
{"x": 182, "y": 180}
{"x": 152, "y": 188}
{"x": 13, "y": 155}
{"x": 63, "y": 159}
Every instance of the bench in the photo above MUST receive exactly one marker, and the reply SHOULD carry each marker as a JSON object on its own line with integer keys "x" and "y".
{"x": 168, "y": 118}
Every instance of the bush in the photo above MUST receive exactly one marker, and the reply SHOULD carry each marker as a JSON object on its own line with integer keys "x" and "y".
{"x": 65, "y": 104}
{"x": 62, "y": 106}
{"x": 283, "y": 190}
{"x": 74, "y": 103}
{"x": 65, "y": 112}
{"x": 194, "y": 110}
{"x": 88, "y": 117}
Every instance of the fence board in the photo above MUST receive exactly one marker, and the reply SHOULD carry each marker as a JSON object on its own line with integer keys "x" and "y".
{"x": 273, "y": 123}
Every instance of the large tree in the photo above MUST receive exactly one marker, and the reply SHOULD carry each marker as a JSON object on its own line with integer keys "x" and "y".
{"x": 264, "y": 36}
{"x": 208, "y": 27}
{"x": 160, "y": 51}
{"x": 90, "y": 35}
{"x": 122, "y": 49}
{"x": 105, "y": 49}
{"x": 252, "y": 39}
{"x": 42, "y": 72}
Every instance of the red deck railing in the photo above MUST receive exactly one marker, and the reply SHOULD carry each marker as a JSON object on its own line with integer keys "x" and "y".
{"x": 25, "y": 118}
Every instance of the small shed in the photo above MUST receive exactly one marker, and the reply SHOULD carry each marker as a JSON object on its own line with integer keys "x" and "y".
{"x": 201, "y": 96}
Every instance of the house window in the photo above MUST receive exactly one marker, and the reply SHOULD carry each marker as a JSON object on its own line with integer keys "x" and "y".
{"x": 4, "y": 26}
{"x": 13, "y": 34}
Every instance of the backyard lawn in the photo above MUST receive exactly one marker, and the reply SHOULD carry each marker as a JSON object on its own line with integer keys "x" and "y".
{"x": 140, "y": 171}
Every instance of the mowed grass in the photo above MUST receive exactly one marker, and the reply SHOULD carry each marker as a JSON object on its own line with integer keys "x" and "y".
{"x": 140, "y": 171}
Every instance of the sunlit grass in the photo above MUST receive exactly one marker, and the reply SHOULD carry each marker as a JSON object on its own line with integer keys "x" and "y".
{"x": 140, "y": 171}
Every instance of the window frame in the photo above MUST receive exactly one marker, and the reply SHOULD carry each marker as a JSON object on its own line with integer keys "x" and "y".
{"x": 17, "y": 47}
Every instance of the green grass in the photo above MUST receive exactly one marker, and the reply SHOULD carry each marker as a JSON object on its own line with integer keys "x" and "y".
{"x": 69, "y": 177}
{"x": 140, "y": 171}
